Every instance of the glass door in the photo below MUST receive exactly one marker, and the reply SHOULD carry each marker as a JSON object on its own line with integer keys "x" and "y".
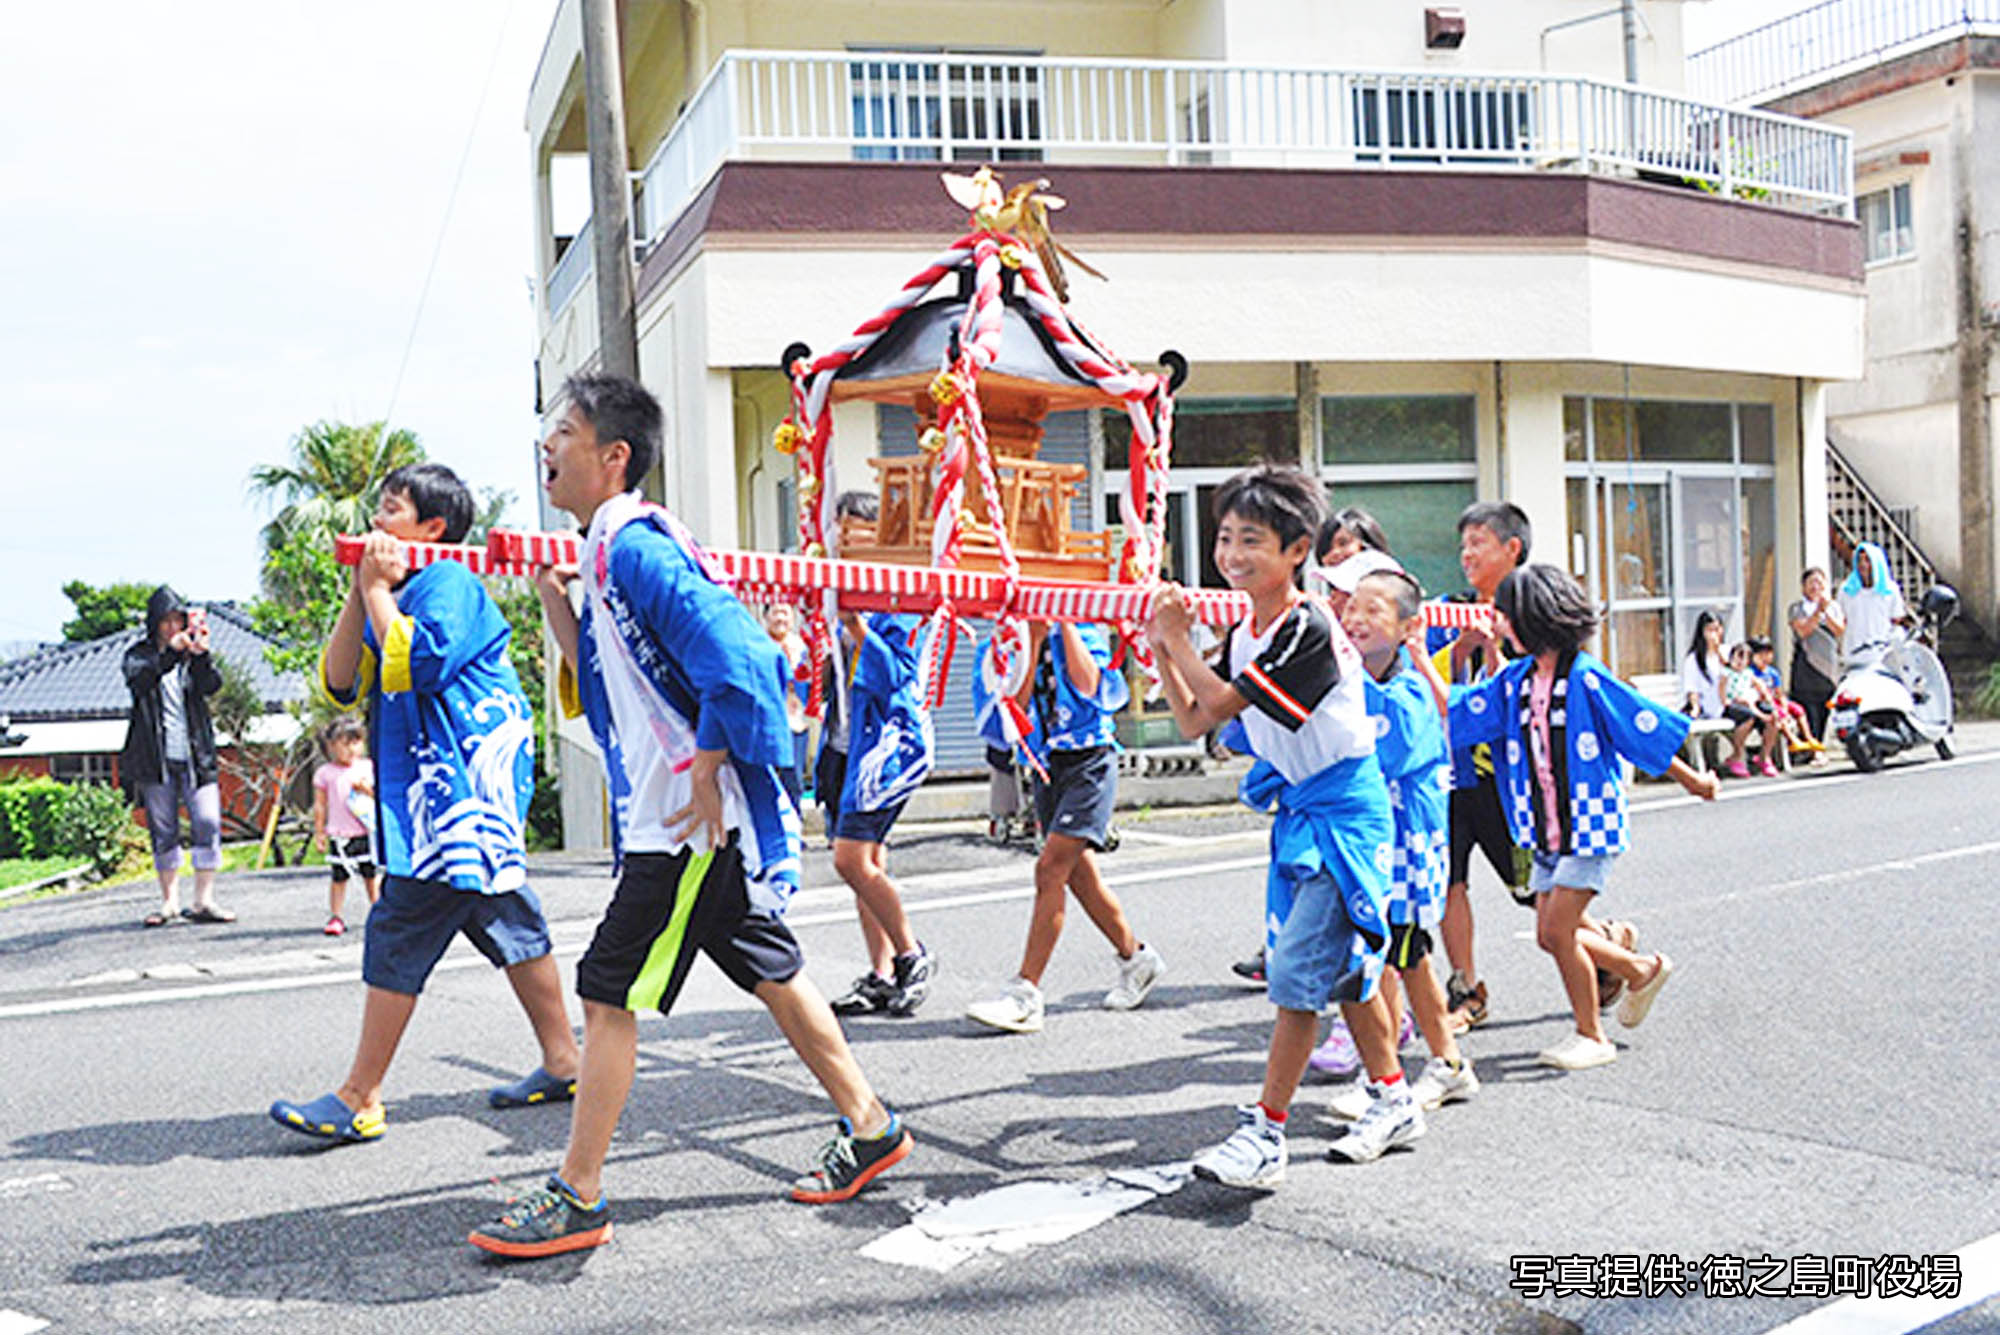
{"x": 1633, "y": 582}
{"x": 1709, "y": 563}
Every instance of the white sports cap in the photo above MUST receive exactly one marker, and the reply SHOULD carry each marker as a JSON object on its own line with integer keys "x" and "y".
{"x": 1347, "y": 576}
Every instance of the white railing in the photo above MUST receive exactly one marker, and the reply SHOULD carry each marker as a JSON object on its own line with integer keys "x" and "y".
{"x": 883, "y": 106}
{"x": 568, "y": 275}
{"x": 1829, "y": 40}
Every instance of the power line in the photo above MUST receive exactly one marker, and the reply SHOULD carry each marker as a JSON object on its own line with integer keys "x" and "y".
{"x": 444, "y": 225}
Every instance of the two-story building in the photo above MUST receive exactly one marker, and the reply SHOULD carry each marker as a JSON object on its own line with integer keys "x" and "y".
{"x": 1918, "y": 86}
{"x": 1430, "y": 254}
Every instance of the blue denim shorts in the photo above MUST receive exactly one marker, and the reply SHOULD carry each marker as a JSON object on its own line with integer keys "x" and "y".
{"x": 413, "y": 923}
{"x": 1319, "y": 956}
{"x": 1570, "y": 871}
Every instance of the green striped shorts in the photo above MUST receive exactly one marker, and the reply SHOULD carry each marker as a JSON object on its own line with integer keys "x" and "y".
{"x": 667, "y": 907}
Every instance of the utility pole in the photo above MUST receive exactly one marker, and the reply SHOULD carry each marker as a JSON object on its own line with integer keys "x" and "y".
{"x": 1629, "y": 16}
{"x": 610, "y": 188}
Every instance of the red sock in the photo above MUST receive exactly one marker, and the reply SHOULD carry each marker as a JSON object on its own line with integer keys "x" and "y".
{"x": 1271, "y": 1115}
{"x": 1392, "y": 1080}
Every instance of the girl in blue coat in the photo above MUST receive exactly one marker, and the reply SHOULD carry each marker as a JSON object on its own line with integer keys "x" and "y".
{"x": 1559, "y": 723}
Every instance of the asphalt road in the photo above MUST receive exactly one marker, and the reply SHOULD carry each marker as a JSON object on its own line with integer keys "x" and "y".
{"x": 1818, "y": 1081}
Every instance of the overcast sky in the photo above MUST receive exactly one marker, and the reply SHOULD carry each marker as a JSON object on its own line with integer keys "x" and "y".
{"x": 217, "y": 221}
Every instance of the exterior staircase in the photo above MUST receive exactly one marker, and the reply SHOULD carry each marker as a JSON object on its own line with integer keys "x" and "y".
{"x": 1856, "y": 515}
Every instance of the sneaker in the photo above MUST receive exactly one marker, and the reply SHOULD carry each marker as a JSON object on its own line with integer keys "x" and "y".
{"x": 1466, "y": 1006}
{"x": 1632, "y": 1011}
{"x": 547, "y": 1222}
{"x": 912, "y": 982}
{"x": 870, "y": 993}
{"x": 1018, "y": 1008}
{"x": 847, "y": 1163}
{"x": 1136, "y": 977}
{"x": 1391, "y": 1121}
{"x": 1253, "y": 1156}
{"x": 1577, "y": 1053}
{"x": 1440, "y": 1084}
{"x": 1336, "y": 1056}
{"x": 334, "y": 927}
{"x": 1250, "y": 970}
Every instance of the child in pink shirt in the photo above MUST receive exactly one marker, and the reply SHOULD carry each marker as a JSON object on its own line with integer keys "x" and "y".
{"x": 344, "y": 815}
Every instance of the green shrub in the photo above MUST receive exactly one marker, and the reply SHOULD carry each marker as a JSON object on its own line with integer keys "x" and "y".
{"x": 28, "y": 817}
{"x": 94, "y": 822}
{"x": 1987, "y": 699}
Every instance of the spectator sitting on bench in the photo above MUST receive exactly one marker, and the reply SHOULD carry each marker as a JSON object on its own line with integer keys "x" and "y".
{"x": 1741, "y": 687}
{"x": 1702, "y": 673}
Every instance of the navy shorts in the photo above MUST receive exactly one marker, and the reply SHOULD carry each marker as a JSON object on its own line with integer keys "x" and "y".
{"x": 1081, "y": 792}
{"x": 830, "y": 779}
{"x": 414, "y": 921}
{"x": 667, "y": 907}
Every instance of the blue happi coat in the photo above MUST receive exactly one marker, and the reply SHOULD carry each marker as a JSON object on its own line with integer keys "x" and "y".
{"x": 716, "y": 680}
{"x": 1065, "y": 718}
{"x": 889, "y": 739}
{"x": 1594, "y": 720}
{"x": 1335, "y": 824}
{"x": 453, "y": 737}
{"x": 1410, "y": 747}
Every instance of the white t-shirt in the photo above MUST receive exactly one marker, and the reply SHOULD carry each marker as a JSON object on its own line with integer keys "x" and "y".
{"x": 1307, "y": 691}
{"x": 1706, "y": 688}
{"x": 1871, "y": 618}
{"x": 173, "y": 711}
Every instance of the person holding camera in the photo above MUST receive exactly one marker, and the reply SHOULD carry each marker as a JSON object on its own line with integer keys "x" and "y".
{"x": 169, "y": 760}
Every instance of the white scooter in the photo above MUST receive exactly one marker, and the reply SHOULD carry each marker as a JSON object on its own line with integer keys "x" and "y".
{"x": 1896, "y": 694}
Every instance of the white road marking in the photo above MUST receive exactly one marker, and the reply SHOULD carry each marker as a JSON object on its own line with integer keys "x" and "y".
{"x": 40, "y": 1184}
{"x": 19, "y": 1323}
{"x": 1979, "y": 1269}
{"x": 1019, "y": 1216}
{"x": 1799, "y": 787}
{"x": 571, "y": 938}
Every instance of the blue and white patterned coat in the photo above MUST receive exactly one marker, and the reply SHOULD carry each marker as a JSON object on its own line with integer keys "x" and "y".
{"x": 1410, "y": 747}
{"x": 453, "y": 737}
{"x": 1594, "y": 721}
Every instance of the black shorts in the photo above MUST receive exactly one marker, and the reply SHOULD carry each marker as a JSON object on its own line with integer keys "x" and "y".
{"x": 1745, "y": 714}
{"x": 1408, "y": 944}
{"x": 350, "y": 857}
{"x": 1080, "y": 795}
{"x": 1476, "y": 819}
{"x": 830, "y": 781}
{"x": 668, "y": 906}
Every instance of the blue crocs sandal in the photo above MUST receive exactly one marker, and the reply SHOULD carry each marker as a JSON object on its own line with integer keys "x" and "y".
{"x": 537, "y": 1086}
{"x": 327, "y": 1118}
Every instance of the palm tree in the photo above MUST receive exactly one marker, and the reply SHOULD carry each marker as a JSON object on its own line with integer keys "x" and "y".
{"x": 330, "y": 484}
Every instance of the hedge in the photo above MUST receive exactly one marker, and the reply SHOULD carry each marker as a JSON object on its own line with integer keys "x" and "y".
{"x": 29, "y": 810}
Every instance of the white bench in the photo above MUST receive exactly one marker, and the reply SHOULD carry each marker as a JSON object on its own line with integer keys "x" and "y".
{"x": 1664, "y": 689}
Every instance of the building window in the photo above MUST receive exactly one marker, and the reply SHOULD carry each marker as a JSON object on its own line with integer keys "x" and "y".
{"x": 1672, "y": 509}
{"x": 82, "y": 769}
{"x": 1409, "y": 460}
{"x": 1885, "y": 223}
{"x": 932, "y": 107}
{"x": 1441, "y": 124}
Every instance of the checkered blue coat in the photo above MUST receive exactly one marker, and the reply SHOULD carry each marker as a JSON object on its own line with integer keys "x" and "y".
{"x": 1595, "y": 720}
{"x": 1410, "y": 747}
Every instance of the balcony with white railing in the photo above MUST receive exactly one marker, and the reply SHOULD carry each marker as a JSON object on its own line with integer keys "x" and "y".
{"x": 1831, "y": 40}
{"x": 897, "y": 107}
{"x": 571, "y": 268}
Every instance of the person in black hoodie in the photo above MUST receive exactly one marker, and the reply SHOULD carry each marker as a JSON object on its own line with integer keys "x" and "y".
{"x": 169, "y": 758}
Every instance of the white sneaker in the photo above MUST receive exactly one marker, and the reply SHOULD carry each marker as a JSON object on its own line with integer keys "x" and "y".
{"x": 1352, "y": 1103}
{"x": 1577, "y": 1053}
{"x": 1136, "y": 977}
{"x": 1439, "y": 1084}
{"x": 1018, "y": 1008}
{"x": 1253, "y": 1156}
{"x": 1393, "y": 1119}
